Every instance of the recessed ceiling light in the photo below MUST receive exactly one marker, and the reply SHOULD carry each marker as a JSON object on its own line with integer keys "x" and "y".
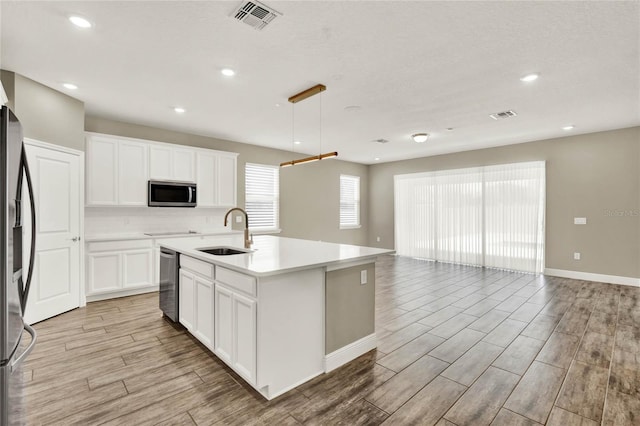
{"x": 377, "y": 158}
{"x": 179, "y": 110}
{"x": 530, "y": 77}
{"x": 571, "y": 127}
{"x": 228, "y": 72}
{"x": 420, "y": 137}
{"x": 70, "y": 86}
{"x": 79, "y": 21}
{"x": 278, "y": 105}
{"x": 297, "y": 142}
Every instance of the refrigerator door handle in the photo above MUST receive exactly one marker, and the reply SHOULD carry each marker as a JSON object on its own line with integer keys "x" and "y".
{"x": 32, "y": 204}
{"x": 27, "y": 351}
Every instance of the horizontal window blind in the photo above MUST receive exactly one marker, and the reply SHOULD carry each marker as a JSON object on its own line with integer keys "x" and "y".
{"x": 349, "y": 201}
{"x": 489, "y": 216}
{"x": 262, "y": 196}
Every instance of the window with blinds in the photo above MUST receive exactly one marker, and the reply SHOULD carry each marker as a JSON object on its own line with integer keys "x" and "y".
{"x": 488, "y": 216}
{"x": 349, "y": 201}
{"x": 262, "y": 196}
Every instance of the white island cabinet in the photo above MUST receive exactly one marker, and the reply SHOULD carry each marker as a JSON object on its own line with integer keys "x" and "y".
{"x": 282, "y": 313}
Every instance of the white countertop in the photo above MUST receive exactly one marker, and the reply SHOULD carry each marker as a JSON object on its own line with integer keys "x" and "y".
{"x": 142, "y": 236}
{"x": 275, "y": 255}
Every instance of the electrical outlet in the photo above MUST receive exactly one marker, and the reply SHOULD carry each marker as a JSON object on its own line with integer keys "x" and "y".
{"x": 579, "y": 220}
{"x": 378, "y": 239}
{"x": 576, "y": 256}
{"x": 238, "y": 219}
{"x": 363, "y": 276}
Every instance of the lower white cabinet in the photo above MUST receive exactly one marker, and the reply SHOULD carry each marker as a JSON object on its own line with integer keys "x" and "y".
{"x": 235, "y": 331}
{"x": 119, "y": 267}
{"x": 196, "y": 300}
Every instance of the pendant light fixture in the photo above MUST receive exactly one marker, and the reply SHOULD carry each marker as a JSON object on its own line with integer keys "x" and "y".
{"x": 318, "y": 88}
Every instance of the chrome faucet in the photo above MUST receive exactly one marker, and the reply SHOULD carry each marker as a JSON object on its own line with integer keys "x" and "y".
{"x": 248, "y": 240}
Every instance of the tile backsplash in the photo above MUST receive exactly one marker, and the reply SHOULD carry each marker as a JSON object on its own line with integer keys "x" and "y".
{"x": 126, "y": 220}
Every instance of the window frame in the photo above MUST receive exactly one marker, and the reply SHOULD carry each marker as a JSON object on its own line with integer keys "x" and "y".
{"x": 275, "y": 199}
{"x": 356, "y": 201}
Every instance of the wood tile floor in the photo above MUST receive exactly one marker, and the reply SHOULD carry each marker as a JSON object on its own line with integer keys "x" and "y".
{"x": 457, "y": 346}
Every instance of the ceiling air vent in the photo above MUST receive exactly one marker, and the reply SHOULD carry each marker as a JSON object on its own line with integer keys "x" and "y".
{"x": 380, "y": 141}
{"x": 503, "y": 114}
{"x": 255, "y": 14}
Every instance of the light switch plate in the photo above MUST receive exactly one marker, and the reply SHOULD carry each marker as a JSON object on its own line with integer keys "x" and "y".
{"x": 576, "y": 256}
{"x": 363, "y": 276}
{"x": 378, "y": 239}
{"x": 579, "y": 220}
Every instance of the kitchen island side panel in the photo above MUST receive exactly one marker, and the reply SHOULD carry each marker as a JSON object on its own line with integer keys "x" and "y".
{"x": 350, "y": 306}
{"x": 290, "y": 330}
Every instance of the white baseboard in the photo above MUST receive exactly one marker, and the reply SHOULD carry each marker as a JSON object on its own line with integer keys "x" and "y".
{"x": 588, "y": 276}
{"x": 121, "y": 293}
{"x": 350, "y": 352}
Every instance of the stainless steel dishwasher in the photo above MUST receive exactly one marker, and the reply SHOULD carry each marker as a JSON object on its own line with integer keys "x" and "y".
{"x": 169, "y": 281}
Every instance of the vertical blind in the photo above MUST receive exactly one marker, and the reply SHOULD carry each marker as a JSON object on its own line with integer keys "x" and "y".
{"x": 488, "y": 216}
{"x": 262, "y": 196}
{"x": 349, "y": 201}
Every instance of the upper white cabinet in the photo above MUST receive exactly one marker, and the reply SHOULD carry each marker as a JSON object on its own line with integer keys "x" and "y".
{"x": 133, "y": 172}
{"x": 118, "y": 169}
{"x": 226, "y": 182}
{"x": 102, "y": 171}
{"x": 169, "y": 162}
{"x": 216, "y": 179}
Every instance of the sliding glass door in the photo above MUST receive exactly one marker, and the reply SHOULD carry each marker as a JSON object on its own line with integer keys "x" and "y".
{"x": 486, "y": 216}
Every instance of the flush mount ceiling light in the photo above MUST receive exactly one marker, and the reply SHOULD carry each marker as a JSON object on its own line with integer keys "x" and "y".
{"x": 318, "y": 88}
{"x": 80, "y": 22}
{"x": 180, "y": 110}
{"x": 420, "y": 137}
{"x": 228, "y": 72}
{"x": 570, "y": 127}
{"x": 530, "y": 77}
{"x": 70, "y": 86}
{"x": 297, "y": 142}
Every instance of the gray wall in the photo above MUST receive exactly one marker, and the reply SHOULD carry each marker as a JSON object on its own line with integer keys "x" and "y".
{"x": 349, "y": 307}
{"x": 309, "y": 194}
{"x": 45, "y": 114}
{"x": 586, "y": 176}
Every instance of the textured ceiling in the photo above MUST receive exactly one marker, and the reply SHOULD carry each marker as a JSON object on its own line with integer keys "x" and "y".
{"x": 411, "y": 67}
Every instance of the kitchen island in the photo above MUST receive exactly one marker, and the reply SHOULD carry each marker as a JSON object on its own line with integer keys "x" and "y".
{"x": 282, "y": 313}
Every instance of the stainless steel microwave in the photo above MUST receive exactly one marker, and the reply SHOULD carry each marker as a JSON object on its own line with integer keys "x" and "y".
{"x": 172, "y": 194}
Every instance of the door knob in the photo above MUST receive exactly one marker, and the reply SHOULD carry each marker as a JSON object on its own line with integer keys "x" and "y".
{"x": 74, "y": 239}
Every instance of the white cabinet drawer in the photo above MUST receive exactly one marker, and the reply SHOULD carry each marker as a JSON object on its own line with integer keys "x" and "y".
{"x": 236, "y": 280}
{"x": 119, "y": 245}
{"x": 203, "y": 268}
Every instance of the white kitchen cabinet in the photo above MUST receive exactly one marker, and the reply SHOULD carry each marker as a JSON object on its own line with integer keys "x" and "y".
{"x": 236, "y": 321}
{"x": 204, "y": 311}
{"x": 187, "y": 299}
{"x": 103, "y": 272}
{"x": 244, "y": 336}
{"x": 226, "y": 180}
{"x": 207, "y": 179}
{"x": 117, "y": 268}
{"x": 223, "y": 323}
{"x": 102, "y": 171}
{"x": 133, "y": 173}
{"x": 184, "y": 164}
{"x": 196, "y": 299}
{"x": 118, "y": 170}
{"x": 167, "y": 162}
{"x": 160, "y": 162}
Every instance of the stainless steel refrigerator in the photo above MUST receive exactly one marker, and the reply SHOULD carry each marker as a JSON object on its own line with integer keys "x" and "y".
{"x": 14, "y": 280}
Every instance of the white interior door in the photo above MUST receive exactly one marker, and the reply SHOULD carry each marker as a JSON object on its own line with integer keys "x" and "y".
{"x": 55, "y": 287}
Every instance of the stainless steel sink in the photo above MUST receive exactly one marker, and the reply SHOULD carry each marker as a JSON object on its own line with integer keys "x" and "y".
{"x": 222, "y": 251}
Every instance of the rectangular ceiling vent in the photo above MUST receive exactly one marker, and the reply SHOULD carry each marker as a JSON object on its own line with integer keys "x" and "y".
{"x": 503, "y": 115}
{"x": 255, "y": 14}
